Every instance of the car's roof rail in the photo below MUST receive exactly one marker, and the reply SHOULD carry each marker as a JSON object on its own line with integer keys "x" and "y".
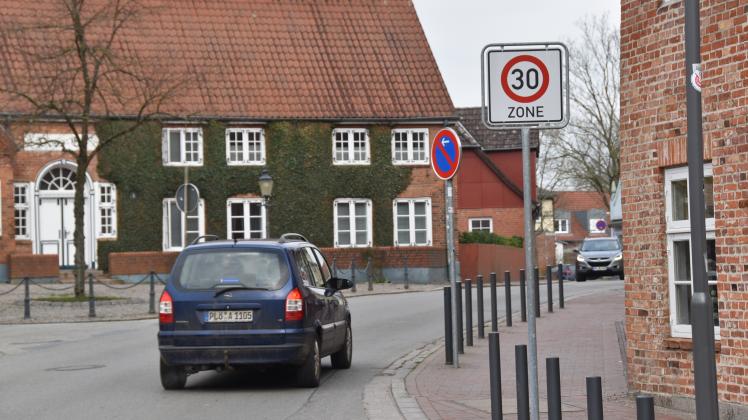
{"x": 210, "y": 237}
{"x": 287, "y": 237}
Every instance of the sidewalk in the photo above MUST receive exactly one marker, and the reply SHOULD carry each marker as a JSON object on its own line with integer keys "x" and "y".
{"x": 583, "y": 336}
{"x": 128, "y": 301}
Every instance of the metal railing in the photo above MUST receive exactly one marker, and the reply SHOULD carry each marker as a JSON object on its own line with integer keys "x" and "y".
{"x": 27, "y": 283}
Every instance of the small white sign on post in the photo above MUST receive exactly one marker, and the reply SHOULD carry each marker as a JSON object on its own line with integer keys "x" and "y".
{"x": 525, "y": 85}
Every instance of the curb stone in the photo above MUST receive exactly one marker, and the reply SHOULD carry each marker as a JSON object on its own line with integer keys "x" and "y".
{"x": 385, "y": 396}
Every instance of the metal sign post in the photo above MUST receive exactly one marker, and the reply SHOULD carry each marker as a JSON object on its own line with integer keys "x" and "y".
{"x": 705, "y": 370}
{"x": 526, "y": 86}
{"x": 446, "y": 151}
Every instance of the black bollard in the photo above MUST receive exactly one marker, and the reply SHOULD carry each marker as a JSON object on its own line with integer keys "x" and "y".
{"x": 537, "y": 292}
{"x": 645, "y": 409}
{"x": 479, "y": 298}
{"x": 460, "y": 331}
{"x": 448, "y": 359}
{"x": 405, "y": 274}
{"x": 553, "y": 382}
{"x": 334, "y": 265}
{"x": 523, "y": 398}
{"x": 353, "y": 274}
{"x": 369, "y": 276}
{"x": 523, "y": 295}
{"x": 561, "y": 286}
{"x": 494, "y": 309}
{"x": 152, "y": 296}
{"x": 26, "y": 299}
{"x": 594, "y": 398}
{"x": 549, "y": 286}
{"x": 469, "y": 312}
{"x": 494, "y": 367}
{"x": 508, "y": 298}
{"x": 91, "y": 299}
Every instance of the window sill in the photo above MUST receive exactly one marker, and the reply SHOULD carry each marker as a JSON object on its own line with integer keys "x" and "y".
{"x": 677, "y": 343}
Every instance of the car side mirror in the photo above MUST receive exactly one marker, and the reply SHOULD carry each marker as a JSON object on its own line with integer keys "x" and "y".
{"x": 576, "y": 251}
{"x": 336, "y": 283}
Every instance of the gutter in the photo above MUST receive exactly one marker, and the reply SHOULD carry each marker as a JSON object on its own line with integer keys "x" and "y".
{"x": 445, "y": 120}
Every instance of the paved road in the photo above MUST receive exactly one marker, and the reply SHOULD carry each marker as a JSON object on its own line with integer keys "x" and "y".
{"x": 110, "y": 369}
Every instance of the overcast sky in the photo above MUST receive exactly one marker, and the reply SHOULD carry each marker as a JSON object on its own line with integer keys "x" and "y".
{"x": 458, "y": 29}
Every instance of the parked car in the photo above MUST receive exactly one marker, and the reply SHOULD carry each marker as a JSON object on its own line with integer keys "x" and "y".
{"x": 244, "y": 303}
{"x": 599, "y": 257}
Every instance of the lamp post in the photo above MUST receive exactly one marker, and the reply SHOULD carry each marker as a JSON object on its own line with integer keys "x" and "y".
{"x": 266, "y": 187}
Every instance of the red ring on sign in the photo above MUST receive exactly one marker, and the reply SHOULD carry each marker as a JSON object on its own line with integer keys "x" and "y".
{"x": 505, "y": 75}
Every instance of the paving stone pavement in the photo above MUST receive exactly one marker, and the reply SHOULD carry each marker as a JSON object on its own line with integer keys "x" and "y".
{"x": 583, "y": 336}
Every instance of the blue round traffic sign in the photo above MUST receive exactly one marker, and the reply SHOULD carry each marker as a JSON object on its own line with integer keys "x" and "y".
{"x": 446, "y": 152}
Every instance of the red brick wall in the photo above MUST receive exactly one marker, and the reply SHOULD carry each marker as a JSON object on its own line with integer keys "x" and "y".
{"x": 384, "y": 257}
{"x": 506, "y": 221}
{"x": 653, "y": 132}
{"x": 33, "y": 266}
{"x": 134, "y": 263}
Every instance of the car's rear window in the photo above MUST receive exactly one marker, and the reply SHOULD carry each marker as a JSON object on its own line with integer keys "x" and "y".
{"x": 256, "y": 268}
{"x": 601, "y": 245}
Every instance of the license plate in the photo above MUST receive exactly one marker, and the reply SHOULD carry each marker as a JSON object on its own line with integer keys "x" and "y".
{"x": 229, "y": 316}
{"x": 599, "y": 268}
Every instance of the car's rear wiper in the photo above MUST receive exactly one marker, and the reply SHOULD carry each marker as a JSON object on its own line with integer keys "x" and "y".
{"x": 228, "y": 289}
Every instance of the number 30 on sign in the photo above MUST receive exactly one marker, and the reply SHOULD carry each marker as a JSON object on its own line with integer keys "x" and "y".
{"x": 524, "y": 85}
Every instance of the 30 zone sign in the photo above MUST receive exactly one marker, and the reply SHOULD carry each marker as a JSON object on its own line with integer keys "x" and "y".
{"x": 525, "y": 86}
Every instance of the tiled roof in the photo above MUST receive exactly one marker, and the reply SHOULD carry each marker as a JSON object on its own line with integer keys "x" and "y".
{"x": 269, "y": 59}
{"x": 578, "y": 200}
{"x": 492, "y": 140}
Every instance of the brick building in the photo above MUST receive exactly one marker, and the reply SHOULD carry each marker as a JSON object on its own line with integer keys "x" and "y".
{"x": 490, "y": 177}
{"x": 489, "y": 192}
{"x": 355, "y": 83}
{"x": 654, "y": 184}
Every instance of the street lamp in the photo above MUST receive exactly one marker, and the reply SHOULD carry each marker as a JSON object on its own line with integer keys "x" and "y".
{"x": 266, "y": 186}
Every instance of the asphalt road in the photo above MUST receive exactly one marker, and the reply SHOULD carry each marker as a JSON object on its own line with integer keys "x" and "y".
{"x": 109, "y": 370}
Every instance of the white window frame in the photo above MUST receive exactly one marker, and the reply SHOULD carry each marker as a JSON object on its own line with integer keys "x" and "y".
{"x": 411, "y": 221}
{"x": 244, "y": 147}
{"x": 409, "y": 133}
{"x": 110, "y": 206}
{"x": 166, "y": 223}
{"x": 350, "y": 158}
{"x": 27, "y": 188}
{"x": 245, "y": 212}
{"x": 480, "y": 219}
{"x": 165, "y": 145}
{"x": 352, "y": 221}
{"x": 561, "y": 231}
{"x": 680, "y": 230}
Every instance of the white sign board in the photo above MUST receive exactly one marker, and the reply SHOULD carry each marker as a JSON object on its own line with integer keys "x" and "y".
{"x": 525, "y": 86}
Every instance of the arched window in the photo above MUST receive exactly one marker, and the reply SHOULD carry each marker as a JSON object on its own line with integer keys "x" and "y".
{"x": 58, "y": 179}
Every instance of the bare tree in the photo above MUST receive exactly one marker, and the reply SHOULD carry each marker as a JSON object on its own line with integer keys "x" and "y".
{"x": 78, "y": 70}
{"x": 585, "y": 155}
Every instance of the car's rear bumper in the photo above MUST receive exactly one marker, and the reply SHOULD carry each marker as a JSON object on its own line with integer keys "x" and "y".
{"x": 293, "y": 351}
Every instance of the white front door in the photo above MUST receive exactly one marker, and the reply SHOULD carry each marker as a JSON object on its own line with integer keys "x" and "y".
{"x": 57, "y": 229}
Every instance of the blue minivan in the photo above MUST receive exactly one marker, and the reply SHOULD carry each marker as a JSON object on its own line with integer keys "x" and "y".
{"x": 230, "y": 304}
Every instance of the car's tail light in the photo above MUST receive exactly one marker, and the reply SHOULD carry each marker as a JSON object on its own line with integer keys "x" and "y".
{"x": 294, "y": 306}
{"x": 165, "y": 308}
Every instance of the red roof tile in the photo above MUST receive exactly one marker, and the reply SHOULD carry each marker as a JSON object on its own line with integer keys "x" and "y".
{"x": 578, "y": 200}
{"x": 269, "y": 59}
